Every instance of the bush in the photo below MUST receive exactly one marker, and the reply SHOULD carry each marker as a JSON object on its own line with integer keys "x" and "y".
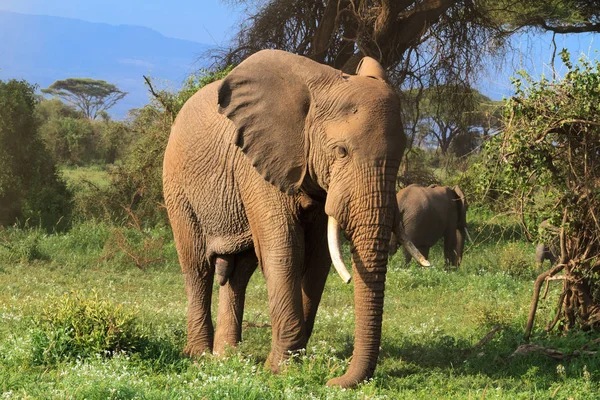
{"x": 76, "y": 326}
{"x": 516, "y": 260}
{"x": 76, "y": 140}
{"x": 22, "y": 245}
{"x": 30, "y": 187}
{"x": 546, "y": 164}
{"x": 416, "y": 169}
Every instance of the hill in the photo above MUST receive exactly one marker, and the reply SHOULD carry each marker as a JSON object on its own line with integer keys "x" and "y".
{"x": 42, "y": 49}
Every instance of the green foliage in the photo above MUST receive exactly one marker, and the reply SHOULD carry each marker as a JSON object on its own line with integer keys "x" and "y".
{"x": 92, "y": 97}
{"x": 76, "y": 140}
{"x": 546, "y": 165}
{"x": 30, "y": 187}
{"x": 560, "y": 16}
{"x": 76, "y": 326}
{"x": 516, "y": 261}
{"x": 547, "y": 156}
{"x": 22, "y": 245}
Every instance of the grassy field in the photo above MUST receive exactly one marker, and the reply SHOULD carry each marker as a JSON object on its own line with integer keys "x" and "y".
{"x": 95, "y": 174}
{"x": 432, "y": 322}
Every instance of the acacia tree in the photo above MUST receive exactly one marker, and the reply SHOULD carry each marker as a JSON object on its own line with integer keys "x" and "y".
{"x": 448, "y": 114}
{"x": 93, "y": 97}
{"x": 414, "y": 39}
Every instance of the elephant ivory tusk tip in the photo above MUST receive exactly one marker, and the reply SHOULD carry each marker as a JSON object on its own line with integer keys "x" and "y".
{"x": 412, "y": 250}
{"x": 346, "y": 278}
{"x": 468, "y": 236}
{"x": 333, "y": 242}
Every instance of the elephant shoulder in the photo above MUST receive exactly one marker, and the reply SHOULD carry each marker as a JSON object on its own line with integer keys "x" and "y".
{"x": 411, "y": 191}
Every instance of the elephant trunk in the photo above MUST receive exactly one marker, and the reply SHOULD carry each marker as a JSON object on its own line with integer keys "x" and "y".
{"x": 369, "y": 261}
{"x": 370, "y": 218}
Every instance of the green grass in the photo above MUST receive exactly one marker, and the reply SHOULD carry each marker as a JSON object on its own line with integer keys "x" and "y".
{"x": 95, "y": 174}
{"x": 433, "y": 319}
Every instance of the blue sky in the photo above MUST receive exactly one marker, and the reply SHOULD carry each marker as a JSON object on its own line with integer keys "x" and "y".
{"x": 533, "y": 53}
{"x": 213, "y": 22}
{"x": 205, "y": 21}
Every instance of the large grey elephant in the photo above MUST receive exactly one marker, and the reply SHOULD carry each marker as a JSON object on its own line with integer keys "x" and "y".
{"x": 431, "y": 213}
{"x": 268, "y": 165}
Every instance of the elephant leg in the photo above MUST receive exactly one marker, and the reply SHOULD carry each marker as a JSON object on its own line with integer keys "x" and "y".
{"x": 450, "y": 250}
{"x": 284, "y": 287}
{"x": 198, "y": 276}
{"x": 231, "y": 302}
{"x": 460, "y": 245}
{"x": 317, "y": 263}
{"x": 280, "y": 251}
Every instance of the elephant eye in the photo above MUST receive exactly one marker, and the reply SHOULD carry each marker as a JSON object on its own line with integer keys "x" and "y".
{"x": 341, "y": 151}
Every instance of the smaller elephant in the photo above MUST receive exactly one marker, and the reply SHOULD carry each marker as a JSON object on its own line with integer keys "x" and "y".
{"x": 547, "y": 251}
{"x": 431, "y": 213}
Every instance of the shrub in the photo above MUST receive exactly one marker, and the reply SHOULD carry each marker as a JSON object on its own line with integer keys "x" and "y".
{"x": 515, "y": 260}
{"x": 547, "y": 158}
{"x": 74, "y": 325}
{"x": 75, "y": 140}
{"x": 22, "y": 245}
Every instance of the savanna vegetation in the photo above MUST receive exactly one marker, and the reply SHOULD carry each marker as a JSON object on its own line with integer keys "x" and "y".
{"x": 93, "y": 304}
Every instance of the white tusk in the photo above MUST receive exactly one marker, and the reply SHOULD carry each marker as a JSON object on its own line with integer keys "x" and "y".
{"x": 333, "y": 241}
{"x": 410, "y": 247}
{"x": 468, "y": 236}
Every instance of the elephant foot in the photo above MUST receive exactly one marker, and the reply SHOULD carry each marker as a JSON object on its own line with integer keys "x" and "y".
{"x": 222, "y": 348}
{"x": 273, "y": 363}
{"x": 196, "y": 350}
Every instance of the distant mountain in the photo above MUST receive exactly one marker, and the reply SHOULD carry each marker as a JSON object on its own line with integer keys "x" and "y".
{"x": 42, "y": 49}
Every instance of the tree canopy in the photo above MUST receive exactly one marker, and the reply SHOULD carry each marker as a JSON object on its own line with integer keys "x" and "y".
{"x": 421, "y": 43}
{"x": 447, "y": 115}
{"x": 91, "y": 96}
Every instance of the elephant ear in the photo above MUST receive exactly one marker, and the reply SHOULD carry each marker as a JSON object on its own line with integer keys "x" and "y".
{"x": 268, "y": 100}
{"x": 370, "y": 67}
{"x": 462, "y": 207}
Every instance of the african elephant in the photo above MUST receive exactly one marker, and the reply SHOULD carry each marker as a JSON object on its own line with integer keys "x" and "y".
{"x": 431, "y": 213}
{"x": 550, "y": 250}
{"x": 268, "y": 165}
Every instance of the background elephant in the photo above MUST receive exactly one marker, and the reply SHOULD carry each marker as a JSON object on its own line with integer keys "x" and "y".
{"x": 550, "y": 250}
{"x": 267, "y": 166}
{"x": 431, "y": 213}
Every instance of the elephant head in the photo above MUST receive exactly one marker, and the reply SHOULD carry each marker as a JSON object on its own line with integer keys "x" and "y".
{"x": 314, "y": 131}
